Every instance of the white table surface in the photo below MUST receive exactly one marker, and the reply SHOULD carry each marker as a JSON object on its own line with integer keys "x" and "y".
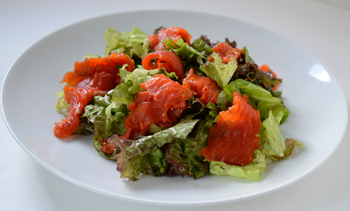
{"x": 322, "y": 27}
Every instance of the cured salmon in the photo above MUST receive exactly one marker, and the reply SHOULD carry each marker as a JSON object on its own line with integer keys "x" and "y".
{"x": 204, "y": 87}
{"x": 161, "y": 103}
{"x": 90, "y": 66}
{"x": 173, "y": 33}
{"x": 92, "y": 77}
{"x": 164, "y": 59}
{"x": 225, "y": 51}
{"x": 236, "y": 134}
{"x": 78, "y": 97}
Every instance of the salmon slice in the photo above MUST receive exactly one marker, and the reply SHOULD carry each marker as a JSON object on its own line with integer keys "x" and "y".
{"x": 205, "y": 88}
{"x": 173, "y": 33}
{"x": 236, "y": 134}
{"x": 91, "y": 77}
{"x": 164, "y": 59}
{"x": 90, "y": 66}
{"x": 225, "y": 51}
{"x": 78, "y": 97}
{"x": 161, "y": 103}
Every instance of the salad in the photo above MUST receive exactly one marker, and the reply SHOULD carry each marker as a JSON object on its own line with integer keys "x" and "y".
{"x": 161, "y": 104}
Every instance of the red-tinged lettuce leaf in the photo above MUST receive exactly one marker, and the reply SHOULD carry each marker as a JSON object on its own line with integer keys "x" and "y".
{"x": 105, "y": 127}
{"x": 129, "y": 159}
{"x": 252, "y": 73}
{"x": 183, "y": 154}
{"x": 290, "y": 145}
{"x": 95, "y": 120}
{"x": 154, "y": 162}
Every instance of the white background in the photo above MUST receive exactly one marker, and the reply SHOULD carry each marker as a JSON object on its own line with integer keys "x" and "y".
{"x": 322, "y": 27}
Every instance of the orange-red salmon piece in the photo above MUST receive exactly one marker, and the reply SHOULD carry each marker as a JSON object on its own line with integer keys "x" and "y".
{"x": 91, "y": 77}
{"x": 78, "y": 97}
{"x": 235, "y": 136}
{"x": 225, "y": 51}
{"x": 173, "y": 33}
{"x": 167, "y": 59}
{"x": 90, "y": 66}
{"x": 161, "y": 103}
{"x": 207, "y": 89}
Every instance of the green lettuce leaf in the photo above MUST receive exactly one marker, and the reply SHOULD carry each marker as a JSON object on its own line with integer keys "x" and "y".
{"x": 105, "y": 127}
{"x": 85, "y": 127}
{"x": 252, "y": 73}
{"x": 290, "y": 145}
{"x": 219, "y": 72}
{"x": 89, "y": 56}
{"x": 262, "y": 100}
{"x": 252, "y": 171}
{"x": 247, "y": 58}
{"x": 271, "y": 140}
{"x": 183, "y": 154}
{"x": 125, "y": 92}
{"x": 154, "y": 162}
{"x": 225, "y": 97}
{"x": 134, "y": 42}
{"x": 61, "y": 105}
{"x": 132, "y": 151}
{"x": 186, "y": 53}
{"x": 202, "y": 47}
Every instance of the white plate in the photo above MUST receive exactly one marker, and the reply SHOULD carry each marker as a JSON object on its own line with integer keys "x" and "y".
{"x": 316, "y": 102}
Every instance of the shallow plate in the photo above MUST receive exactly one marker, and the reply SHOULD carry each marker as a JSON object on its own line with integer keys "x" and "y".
{"x": 318, "y": 109}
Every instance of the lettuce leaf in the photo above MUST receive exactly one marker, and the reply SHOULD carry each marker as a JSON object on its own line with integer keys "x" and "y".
{"x": 290, "y": 145}
{"x": 132, "y": 151}
{"x": 134, "y": 42}
{"x": 219, "y": 72}
{"x": 263, "y": 100}
{"x": 202, "y": 47}
{"x": 85, "y": 127}
{"x": 61, "y": 105}
{"x": 104, "y": 126}
{"x": 251, "y": 171}
{"x": 271, "y": 139}
{"x": 225, "y": 97}
{"x": 252, "y": 73}
{"x": 183, "y": 154}
{"x": 186, "y": 53}
{"x": 154, "y": 162}
{"x": 247, "y": 58}
{"x": 125, "y": 92}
